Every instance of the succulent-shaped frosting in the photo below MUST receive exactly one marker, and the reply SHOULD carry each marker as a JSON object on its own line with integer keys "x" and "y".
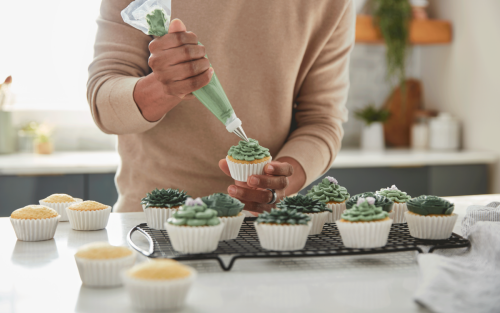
{"x": 284, "y": 216}
{"x": 328, "y": 190}
{"x": 364, "y": 210}
{"x": 248, "y": 151}
{"x": 381, "y": 201}
{"x": 161, "y": 198}
{"x": 225, "y": 205}
{"x": 194, "y": 213}
{"x": 425, "y": 205}
{"x": 303, "y": 204}
{"x": 394, "y": 194}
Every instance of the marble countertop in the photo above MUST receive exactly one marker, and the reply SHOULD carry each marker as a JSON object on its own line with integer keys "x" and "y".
{"x": 88, "y": 162}
{"x": 43, "y": 277}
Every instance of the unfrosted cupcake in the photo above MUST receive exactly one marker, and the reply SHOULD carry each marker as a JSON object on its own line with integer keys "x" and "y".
{"x": 59, "y": 202}
{"x": 315, "y": 209}
{"x": 88, "y": 215}
{"x": 100, "y": 264}
{"x": 194, "y": 228}
{"x": 34, "y": 222}
{"x": 430, "y": 217}
{"x": 283, "y": 230}
{"x": 229, "y": 211}
{"x": 365, "y": 225}
{"x": 159, "y": 204}
{"x": 159, "y": 284}
{"x": 399, "y": 198}
{"x": 380, "y": 201}
{"x": 246, "y": 159}
{"x": 332, "y": 194}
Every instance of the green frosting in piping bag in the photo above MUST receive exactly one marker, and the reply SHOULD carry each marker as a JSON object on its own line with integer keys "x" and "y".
{"x": 425, "y": 205}
{"x": 157, "y": 22}
{"x": 225, "y": 205}
{"x": 364, "y": 211}
{"x": 380, "y": 201}
{"x": 394, "y": 194}
{"x": 328, "y": 191}
{"x": 248, "y": 151}
{"x": 194, "y": 213}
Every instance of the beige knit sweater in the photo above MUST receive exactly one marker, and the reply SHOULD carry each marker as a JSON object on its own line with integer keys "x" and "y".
{"x": 268, "y": 55}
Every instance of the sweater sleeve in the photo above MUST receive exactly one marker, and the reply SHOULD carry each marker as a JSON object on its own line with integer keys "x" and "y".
{"x": 120, "y": 58}
{"x": 320, "y": 103}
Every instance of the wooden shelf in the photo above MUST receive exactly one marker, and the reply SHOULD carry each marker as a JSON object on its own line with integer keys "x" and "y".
{"x": 422, "y": 32}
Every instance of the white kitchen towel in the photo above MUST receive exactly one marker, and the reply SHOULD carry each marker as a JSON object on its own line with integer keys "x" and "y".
{"x": 463, "y": 280}
{"x": 477, "y": 213}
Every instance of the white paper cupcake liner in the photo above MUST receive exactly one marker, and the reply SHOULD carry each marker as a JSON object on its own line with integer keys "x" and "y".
{"x": 318, "y": 221}
{"x": 337, "y": 210}
{"x": 103, "y": 273}
{"x": 430, "y": 227}
{"x": 35, "y": 230}
{"x": 88, "y": 220}
{"x": 60, "y": 208}
{"x": 364, "y": 234}
{"x": 241, "y": 172}
{"x": 232, "y": 225}
{"x": 158, "y": 295}
{"x": 194, "y": 239}
{"x": 157, "y": 217}
{"x": 477, "y": 213}
{"x": 282, "y": 237}
{"x": 391, "y": 215}
{"x": 399, "y": 212}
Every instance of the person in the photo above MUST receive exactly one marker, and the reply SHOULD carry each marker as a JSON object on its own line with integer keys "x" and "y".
{"x": 278, "y": 61}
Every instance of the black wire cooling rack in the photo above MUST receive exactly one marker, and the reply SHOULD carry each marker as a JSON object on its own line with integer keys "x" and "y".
{"x": 247, "y": 245}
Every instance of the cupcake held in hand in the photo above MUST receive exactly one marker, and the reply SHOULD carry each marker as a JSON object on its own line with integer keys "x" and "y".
{"x": 332, "y": 194}
{"x": 88, "y": 215}
{"x": 160, "y": 204}
{"x": 430, "y": 217}
{"x": 194, "y": 228}
{"x": 229, "y": 211}
{"x": 399, "y": 198}
{"x": 365, "y": 225}
{"x": 380, "y": 201}
{"x": 59, "y": 202}
{"x": 283, "y": 230}
{"x": 246, "y": 159}
{"x": 34, "y": 222}
{"x": 315, "y": 209}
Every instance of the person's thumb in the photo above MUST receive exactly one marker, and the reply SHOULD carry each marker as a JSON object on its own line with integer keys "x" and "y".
{"x": 177, "y": 26}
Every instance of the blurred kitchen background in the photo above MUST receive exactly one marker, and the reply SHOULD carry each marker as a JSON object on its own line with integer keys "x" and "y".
{"x": 433, "y": 132}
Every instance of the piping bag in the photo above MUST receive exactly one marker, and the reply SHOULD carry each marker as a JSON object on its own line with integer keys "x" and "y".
{"x": 152, "y": 17}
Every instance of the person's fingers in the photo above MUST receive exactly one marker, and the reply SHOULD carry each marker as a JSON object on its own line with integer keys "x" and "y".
{"x": 183, "y": 87}
{"x": 278, "y": 169}
{"x": 163, "y": 60}
{"x": 173, "y": 40}
{"x": 265, "y": 181}
{"x": 224, "y": 167}
{"x": 253, "y": 195}
{"x": 189, "y": 96}
{"x": 189, "y": 69}
{"x": 176, "y": 25}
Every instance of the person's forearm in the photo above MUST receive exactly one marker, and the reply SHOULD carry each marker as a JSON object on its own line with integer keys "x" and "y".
{"x": 298, "y": 178}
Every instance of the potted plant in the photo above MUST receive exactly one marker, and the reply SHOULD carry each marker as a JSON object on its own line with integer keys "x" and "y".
{"x": 372, "y": 135}
{"x": 43, "y": 142}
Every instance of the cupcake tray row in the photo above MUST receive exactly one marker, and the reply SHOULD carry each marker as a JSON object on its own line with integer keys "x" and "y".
{"x": 247, "y": 245}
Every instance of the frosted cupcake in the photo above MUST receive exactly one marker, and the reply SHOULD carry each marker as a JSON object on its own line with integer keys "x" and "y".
{"x": 88, "y": 215}
{"x": 194, "y": 228}
{"x": 430, "y": 217}
{"x": 399, "y": 198}
{"x": 283, "y": 230}
{"x": 229, "y": 211}
{"x": 159, "y": 285}
{"x": 332, "y": 194}
{"x": 100, "y": 264}
{"x": 315, "y": 209}
{"x": 246, "y": 159}
{"x": 380, "y": 201}
{"x": 35, "y": 222}
{"x": 159, "y": 205}
{"x": 364, "y": 225}
{"x": 59, "y": 202}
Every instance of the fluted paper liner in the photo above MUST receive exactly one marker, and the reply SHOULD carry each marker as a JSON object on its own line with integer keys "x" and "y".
{"x": 161, "y": 295}
{"x": 35, "y": 230}
{"x": 88, "y": 220}
{"x": 104, "y": 273}
{"x": 232, "y": 225}
{"x": 430, "y": 227}
{"x": 364, "y": 234}
{"x": 194, "y": 239}
{"x": 241, "y": 172}
{"x": 60, "y": 208}
{"x": 476, "y": 214}
{"x": 337, "y": 210}
{"x": 157, "y": 217}
{"x": 282, "y": 237}
{"x": 399, "y": 212}
{"x": 318, "y": 221}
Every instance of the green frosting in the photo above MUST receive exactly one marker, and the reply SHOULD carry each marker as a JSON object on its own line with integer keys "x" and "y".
{"x": 328, "y": 191}
{"x": 424, "y": 205}
{"x": 194, "y": 213}
{"x": 380, "y": 201}
{"x": 303, "y": 204}
{"x": 364, "y": 212}
{"x": 394, "y": 194}
{"x": 285, "y": 216}
{"x": 156, "y": 21}
{"x": 248, "y": 151}
{"x": 164, "y": 198}
{"x": 225, "y": 205}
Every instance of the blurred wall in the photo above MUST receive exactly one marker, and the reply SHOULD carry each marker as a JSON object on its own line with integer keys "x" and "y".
{"x": 463, "y": 78}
